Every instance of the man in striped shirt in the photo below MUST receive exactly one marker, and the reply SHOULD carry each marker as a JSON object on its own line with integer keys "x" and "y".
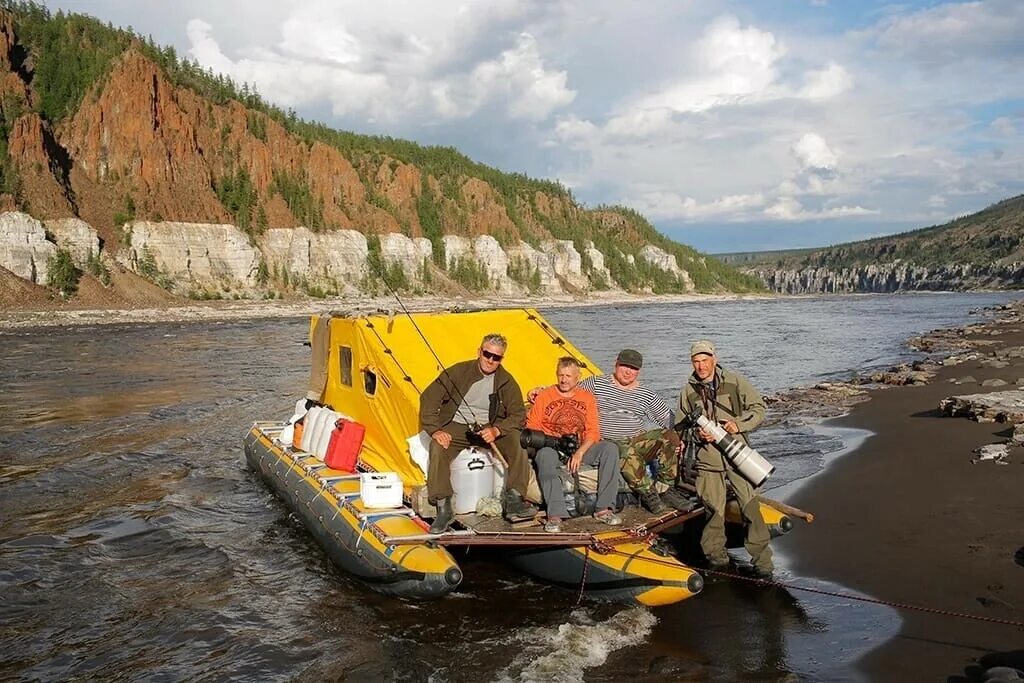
{"x": 639, "y": 421}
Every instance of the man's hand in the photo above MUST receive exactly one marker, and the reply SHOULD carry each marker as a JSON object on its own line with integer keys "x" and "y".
{"x": 574, "y": 462}
{"x": 443, "y": 438}
{"x": 489, "y": 434}
{"x": 705, "y": 436}
{"x": 730, "y": 426}
{"x": 531, "y": 395}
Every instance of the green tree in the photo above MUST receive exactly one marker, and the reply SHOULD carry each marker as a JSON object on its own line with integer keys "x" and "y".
{"x": 62, "y": 273}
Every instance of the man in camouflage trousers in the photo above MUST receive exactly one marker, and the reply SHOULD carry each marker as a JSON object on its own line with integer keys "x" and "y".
{"x": 627, "y": 409}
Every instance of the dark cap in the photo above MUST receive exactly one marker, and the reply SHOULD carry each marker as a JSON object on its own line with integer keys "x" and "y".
{"x": 630, "y": 357}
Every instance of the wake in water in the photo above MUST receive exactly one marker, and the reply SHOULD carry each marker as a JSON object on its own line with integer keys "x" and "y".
{"x": 562, "y": 653}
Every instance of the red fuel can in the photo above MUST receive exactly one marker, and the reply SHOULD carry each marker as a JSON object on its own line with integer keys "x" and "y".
{"x": 343, "y": 448}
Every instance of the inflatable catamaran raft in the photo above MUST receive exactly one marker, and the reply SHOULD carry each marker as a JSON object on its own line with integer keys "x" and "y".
{"x": 363, "y": 500}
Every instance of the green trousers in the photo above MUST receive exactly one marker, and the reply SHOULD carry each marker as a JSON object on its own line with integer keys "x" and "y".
{"x": 711, "y": 487}
{"x": 439, "y": 470}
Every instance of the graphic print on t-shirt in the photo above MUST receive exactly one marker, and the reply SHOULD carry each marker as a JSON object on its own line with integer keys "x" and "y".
{"x": 566, "y": 416}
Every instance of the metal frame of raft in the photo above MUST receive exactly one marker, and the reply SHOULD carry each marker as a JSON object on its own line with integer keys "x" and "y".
{"x": 390, "y": 551}
{"x": 639, "y": 533}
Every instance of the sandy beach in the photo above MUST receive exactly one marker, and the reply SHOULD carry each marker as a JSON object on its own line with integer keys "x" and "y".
{"x": 908, "y": 517}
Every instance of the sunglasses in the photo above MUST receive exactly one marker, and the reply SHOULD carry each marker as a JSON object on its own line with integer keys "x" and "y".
{"x": 496, "y": 357}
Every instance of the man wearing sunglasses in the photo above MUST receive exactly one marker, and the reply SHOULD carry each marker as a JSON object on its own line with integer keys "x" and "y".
{"x": 472, "y": 403}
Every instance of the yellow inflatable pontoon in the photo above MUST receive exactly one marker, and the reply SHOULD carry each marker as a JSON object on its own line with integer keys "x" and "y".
{"x": 372, "y": 369}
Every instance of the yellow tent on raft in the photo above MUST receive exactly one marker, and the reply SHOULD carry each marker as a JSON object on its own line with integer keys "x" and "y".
{"x": 373, "y": 368}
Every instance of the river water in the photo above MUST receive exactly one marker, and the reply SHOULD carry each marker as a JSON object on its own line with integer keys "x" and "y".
{"x": 135, "y": 544}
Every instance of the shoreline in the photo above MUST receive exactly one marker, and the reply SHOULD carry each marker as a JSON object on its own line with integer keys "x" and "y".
{"x": 222, "y": 310}
{"x": 265, "y": 309}
{"x": 908, "y": 517}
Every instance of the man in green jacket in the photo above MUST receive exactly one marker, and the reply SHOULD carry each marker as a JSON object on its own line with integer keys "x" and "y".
{"x": 475, "y": 402}
{"x": 728, "y": 398}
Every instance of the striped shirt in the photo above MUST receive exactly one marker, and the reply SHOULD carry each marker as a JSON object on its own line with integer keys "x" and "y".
{"x": 624, "y": 414}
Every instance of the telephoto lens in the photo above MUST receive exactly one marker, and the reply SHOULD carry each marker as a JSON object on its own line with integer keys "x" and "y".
{"x": 534, "y": 439}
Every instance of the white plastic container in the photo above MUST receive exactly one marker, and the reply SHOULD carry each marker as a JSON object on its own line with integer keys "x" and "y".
{"x": 323, "y": 435}
{"x": 309, "y": 427}
{"x": 380, "y": 490}
{"x": 472, "y": 479}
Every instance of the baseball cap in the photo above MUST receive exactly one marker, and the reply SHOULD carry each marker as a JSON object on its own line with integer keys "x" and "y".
{"x": 702, "y": 346}
{"x": 630, "y": 357}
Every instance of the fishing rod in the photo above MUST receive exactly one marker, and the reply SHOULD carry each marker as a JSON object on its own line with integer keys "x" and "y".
{"x": 476, "y": 427}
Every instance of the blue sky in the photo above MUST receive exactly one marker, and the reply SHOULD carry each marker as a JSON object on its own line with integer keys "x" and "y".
{"x": 732, "y": 125}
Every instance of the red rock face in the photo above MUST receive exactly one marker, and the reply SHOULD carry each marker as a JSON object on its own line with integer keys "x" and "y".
{"x": 139, "y": 146}
{"x": 42, "y": 187}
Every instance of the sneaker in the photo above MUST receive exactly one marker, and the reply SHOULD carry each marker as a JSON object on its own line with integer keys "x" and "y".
{"x": 674, "y": 498}
{"x": 651, "y": 501}
{"x": 608, "y": 516}
{"x": 762, "y": 573}
{"x": 553, "y": 525}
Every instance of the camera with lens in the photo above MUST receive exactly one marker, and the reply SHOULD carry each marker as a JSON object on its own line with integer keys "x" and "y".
{"x": 565, "y": 446}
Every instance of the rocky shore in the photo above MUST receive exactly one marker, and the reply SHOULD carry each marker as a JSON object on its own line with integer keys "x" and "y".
{"x": 930, "y": 509}
{"x": 300, "y": 308}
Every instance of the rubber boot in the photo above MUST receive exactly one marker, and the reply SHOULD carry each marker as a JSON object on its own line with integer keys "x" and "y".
{"x": 444, "y": 517}
{"x": 516, "y": 507}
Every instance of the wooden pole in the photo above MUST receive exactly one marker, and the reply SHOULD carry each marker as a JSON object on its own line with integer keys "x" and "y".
{"x": 778, "y": 505}
{"x": 788, "y": 509}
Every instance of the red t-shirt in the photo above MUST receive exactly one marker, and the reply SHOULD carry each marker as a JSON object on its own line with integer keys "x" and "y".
{"x": 557, "y": 415}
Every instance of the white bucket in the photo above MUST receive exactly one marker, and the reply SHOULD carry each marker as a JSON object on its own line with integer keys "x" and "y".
{"x": 472, "y": 479}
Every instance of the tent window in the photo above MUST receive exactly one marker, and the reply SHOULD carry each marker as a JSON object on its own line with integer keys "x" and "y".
{"x": 370, "y": 381}
{"x": 346, "y": 366}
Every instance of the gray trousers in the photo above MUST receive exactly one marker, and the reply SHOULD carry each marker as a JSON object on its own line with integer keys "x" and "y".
{"x": 603, "y": 454}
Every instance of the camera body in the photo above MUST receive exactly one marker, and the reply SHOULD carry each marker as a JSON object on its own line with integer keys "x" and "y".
{"x": 565, "y": 446}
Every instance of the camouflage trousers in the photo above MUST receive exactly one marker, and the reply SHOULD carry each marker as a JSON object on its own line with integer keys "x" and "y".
{"x": 658, "y": 446}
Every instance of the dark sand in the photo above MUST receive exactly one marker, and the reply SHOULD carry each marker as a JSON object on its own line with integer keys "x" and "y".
{"x": 907, "y": 517}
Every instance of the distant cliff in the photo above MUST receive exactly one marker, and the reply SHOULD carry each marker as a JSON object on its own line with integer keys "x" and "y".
{"x": 983, "y": 250}
{"x": 203, "y": 188}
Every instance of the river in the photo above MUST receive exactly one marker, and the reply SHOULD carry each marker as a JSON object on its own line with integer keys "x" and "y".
{"x": 135, "y": 544}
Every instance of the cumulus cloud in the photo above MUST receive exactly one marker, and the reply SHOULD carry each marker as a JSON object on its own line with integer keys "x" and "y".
{"x": 824, "y": 84}
{"x": 733, "y": 64}
{"x": 790, "y": 209}
{"x": 813, "y": 152}
{"x": 660, "y": 204}
{"x": 956, "y": 31}
{"x": 422, "y": 61}
{"x": 673, "y": 109}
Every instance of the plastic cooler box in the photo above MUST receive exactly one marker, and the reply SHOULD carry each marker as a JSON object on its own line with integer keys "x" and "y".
{"x": 380, "y": 490}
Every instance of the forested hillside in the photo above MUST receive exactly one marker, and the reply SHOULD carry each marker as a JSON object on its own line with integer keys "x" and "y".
{"x": 103, "y": 125}
{"x": 985, "y": 249}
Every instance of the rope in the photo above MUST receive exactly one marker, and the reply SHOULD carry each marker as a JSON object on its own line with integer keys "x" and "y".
{"x": 847, "y": 596}
{"x": 583, "y": 579}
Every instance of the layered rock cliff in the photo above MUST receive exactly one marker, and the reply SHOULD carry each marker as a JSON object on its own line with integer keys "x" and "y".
{"x": 983, "y": 250}
{"x": 208, "y": 190}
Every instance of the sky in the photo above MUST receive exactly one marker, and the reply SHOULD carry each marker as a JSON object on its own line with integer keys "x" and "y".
{"x": 733, "y": 125}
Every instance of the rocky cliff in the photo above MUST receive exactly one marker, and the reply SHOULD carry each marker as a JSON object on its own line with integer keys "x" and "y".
{"x": 207, "y": 190}
{"x": 983, "y": 250}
